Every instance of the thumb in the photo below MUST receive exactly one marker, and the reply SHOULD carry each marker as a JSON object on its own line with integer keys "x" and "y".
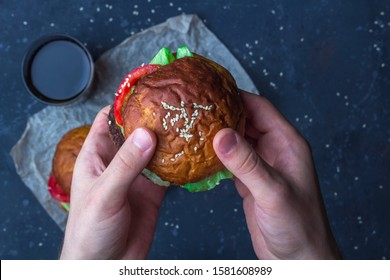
{"x": 243, "y": 161}
{"x": 128, "y": 163}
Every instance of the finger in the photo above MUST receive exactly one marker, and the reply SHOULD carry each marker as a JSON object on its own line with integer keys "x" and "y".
{"x": 242, "y": 160}
{"x": 251, "y": 131}
{"x": 241, "y": 188}
{"x": 266, "y": 116}
{"x": 98, "y": 149}
{"x": 273, "y": 133}
{"x": 128, "y": 163}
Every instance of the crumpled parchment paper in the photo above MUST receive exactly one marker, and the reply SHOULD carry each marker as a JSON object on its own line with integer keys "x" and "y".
{"x": 33, "y": 153}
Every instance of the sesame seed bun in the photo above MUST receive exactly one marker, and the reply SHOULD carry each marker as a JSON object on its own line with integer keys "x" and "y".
{"x": 185, "y": 103}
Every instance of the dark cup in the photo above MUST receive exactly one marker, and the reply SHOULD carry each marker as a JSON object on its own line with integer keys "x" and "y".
{"x": 57, "y": 70}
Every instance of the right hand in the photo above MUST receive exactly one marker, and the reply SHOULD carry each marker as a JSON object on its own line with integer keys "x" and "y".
{"x": 275, "y": 175}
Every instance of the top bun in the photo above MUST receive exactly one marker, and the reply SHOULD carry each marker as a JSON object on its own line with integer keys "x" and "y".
{"x": 185, "y": 103}
{"x": 65, "y": 156}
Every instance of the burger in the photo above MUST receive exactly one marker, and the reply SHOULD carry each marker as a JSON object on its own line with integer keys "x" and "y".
{"x": 64, "y": 159}
{"x": 185, "y": 99}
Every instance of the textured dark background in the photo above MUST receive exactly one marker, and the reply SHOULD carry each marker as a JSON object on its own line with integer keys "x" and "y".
{"x": 324, "y": 64}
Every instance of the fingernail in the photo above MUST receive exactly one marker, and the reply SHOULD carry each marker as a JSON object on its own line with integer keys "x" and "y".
{"x": 141, "y": 139}
{"x": 227, "y": 143}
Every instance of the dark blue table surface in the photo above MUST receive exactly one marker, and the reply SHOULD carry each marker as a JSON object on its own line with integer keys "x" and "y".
{"x": 324, "y": 64}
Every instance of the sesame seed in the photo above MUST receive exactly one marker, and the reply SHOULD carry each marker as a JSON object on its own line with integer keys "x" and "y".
{"x": 179, "y": 154}
{"x": 188, "y": 121}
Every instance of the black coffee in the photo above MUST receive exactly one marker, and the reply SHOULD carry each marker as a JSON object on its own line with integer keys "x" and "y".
{"x": 60, "y": 70}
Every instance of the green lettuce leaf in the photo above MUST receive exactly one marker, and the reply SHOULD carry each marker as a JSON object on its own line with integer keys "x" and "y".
{"x": 154, "y": 178}
{"x": 209, "y": 182}
{"x": 203, "y": 185}
{"x": 163, "y": 57}
{"x": 183, "y": 52}
{"x": 65, "y": 205}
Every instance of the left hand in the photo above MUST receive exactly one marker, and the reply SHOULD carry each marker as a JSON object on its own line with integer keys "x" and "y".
{"x": 114, "y": 209}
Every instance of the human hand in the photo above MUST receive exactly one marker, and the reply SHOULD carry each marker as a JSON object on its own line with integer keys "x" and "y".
{"x": 113, "y": 211}
{"x": 275, "y": 175}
